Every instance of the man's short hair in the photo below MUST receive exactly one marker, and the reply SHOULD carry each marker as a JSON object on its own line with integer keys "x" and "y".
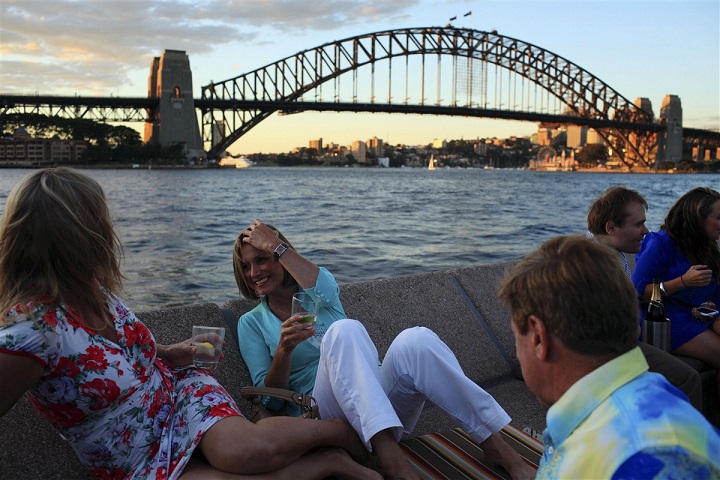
{"x": 610, "y": 205}
{"x": 580, "y": 291}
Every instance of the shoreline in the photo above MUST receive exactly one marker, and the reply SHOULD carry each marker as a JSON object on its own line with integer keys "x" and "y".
{"x": 152, "y": 166}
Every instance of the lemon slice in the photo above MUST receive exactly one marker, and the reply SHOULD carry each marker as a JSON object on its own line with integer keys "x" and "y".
{"x": 205, "y": 348}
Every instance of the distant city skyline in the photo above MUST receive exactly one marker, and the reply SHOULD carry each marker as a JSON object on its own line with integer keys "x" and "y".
{"x": 641, "y": 48}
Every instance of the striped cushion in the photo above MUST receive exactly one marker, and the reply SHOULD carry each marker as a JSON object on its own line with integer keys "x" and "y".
{"x": 453, "y": 455}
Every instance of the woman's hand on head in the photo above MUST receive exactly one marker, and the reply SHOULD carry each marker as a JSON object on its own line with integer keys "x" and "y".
{"x": 261, "y": 236}
{"x": 292, "y": 332}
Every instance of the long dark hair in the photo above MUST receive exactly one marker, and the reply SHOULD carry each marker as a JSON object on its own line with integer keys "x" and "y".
{"x": 685, "y": 223}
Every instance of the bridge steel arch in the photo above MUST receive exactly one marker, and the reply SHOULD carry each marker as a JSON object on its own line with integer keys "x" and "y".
{"x": 287, "y": 80}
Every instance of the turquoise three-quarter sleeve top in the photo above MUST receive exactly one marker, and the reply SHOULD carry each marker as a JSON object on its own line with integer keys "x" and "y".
{"x": 259, "y": 335}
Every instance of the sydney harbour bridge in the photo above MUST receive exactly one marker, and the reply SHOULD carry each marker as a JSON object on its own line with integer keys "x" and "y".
{"x": 435, "y": 71}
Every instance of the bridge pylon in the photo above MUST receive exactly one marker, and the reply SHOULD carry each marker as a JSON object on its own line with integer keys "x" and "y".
{"x": 175, "y": 120}
{"x": 671, "y": 139}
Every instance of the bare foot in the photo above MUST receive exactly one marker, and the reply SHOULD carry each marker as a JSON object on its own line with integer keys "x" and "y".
{"x": 347, "y": 468}
{"x": 391, "y": 458}
{"x": 497, "y": 451}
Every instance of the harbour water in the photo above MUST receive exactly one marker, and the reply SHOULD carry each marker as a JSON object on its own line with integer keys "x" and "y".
{"x": 178, "y": 226}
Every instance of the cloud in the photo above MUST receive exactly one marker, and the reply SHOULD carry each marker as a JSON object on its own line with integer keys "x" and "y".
{"x": 711, "y": 122}
{"x": 94, "y": 45}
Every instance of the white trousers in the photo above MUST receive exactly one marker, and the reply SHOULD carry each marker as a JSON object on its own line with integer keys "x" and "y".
{"x": 418, "y": 367}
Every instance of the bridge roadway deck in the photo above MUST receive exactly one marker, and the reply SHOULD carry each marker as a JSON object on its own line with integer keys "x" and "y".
{"x": 83, "y": 104}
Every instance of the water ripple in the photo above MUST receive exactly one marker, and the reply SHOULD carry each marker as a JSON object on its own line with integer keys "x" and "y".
{"x": 178, "y": 226}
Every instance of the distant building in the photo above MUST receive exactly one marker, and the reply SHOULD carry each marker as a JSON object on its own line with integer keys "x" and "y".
{"x": 316, "y": 144}
{"x": 376, "y": 146}
{"x": 359, "y": 151}
{"x": 437, "y": 143}
{"x": 481, "y": 148}
{"x": 544, "y": 136}
{"x": 23, "y": 149}
{"x": 576, "y": 136}
{"x": 594, "y": 137}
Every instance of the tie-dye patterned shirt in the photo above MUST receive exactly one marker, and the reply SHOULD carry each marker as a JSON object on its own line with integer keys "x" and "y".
{"x": 621, "y": 421}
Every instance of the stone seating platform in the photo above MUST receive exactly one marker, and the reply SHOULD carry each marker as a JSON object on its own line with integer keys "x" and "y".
{"x": 459, "y": 305}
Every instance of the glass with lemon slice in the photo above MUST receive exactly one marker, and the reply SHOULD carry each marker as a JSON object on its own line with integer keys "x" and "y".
{"x": 208, "y": 343}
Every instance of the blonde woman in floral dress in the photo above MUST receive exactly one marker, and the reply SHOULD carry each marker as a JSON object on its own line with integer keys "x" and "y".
{"x": 124, "y": 403}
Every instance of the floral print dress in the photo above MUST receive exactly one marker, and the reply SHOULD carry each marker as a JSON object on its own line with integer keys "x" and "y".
{"x": 126, "y": 412}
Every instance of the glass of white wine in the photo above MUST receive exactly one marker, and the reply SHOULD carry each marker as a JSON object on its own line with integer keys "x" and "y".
{"x": 305, "y": 305}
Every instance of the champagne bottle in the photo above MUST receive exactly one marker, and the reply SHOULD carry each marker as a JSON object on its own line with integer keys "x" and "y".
{"x": 656, "y": 326}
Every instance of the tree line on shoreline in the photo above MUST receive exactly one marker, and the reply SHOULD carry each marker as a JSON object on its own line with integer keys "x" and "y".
{"x": 122, "y": 146}
{"x": 106, "y": 143}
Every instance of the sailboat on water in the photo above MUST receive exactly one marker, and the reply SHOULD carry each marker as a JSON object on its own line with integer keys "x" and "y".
{"x": 432, "y": 164}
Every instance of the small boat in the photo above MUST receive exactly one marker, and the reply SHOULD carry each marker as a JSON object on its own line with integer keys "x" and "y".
{"x": 432, "y": 164}
{"x": 241, "y": 162}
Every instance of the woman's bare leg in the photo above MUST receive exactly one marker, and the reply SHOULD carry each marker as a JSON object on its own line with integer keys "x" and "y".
{"x": 705, "y": 347}
{"x": 236, "y": 445}
{"x": 323, "y": 463}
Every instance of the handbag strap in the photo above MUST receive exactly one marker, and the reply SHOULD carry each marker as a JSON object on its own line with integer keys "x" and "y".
{"x": 300, "y": 399}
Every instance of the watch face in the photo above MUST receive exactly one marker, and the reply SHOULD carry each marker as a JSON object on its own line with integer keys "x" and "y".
{"x": 280, "y": 249}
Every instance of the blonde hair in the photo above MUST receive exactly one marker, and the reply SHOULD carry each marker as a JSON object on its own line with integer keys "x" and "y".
{"x": 581, "y": 292}
{"x": 58, "y": 245}
{"x": 245, "y": 290}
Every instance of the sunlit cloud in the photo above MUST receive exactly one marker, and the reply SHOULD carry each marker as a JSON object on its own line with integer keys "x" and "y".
{"x": 101, "y": 42}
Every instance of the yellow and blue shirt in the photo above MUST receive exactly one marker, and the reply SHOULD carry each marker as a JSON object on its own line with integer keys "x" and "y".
{"x": 621, "y": 421}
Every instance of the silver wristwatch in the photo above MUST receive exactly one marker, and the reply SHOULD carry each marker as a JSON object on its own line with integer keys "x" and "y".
{"x": 280, "y": 249}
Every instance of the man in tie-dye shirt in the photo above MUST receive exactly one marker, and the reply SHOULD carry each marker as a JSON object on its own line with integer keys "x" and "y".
{"x": 616, "y": 218}
{"x": 575, "y": 322}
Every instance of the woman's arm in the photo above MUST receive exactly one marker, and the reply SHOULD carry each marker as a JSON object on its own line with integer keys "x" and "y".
{"x": 179, "y": 354}
{"x": 17, "y": 374}
{"x": 657, "y": 255}
{"x": 695, "y": 276}
{"x": 292, "y": 334}
{"x": 652, "y": 262}
{"x": 264, "y": 238}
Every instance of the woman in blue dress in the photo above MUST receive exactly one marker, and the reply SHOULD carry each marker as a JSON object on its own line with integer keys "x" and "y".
{"x": 684, "y": 255}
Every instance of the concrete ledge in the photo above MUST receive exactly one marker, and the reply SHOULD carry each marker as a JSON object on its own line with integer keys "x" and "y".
{"x": 459, "y": 305}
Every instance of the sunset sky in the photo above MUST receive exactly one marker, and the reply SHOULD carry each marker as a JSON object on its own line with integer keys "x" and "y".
{"x": 641, "y": 48}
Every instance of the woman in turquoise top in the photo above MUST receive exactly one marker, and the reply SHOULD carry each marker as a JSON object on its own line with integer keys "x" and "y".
{"x": 382, "y": 402}
{"x": 685, "y": 257}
